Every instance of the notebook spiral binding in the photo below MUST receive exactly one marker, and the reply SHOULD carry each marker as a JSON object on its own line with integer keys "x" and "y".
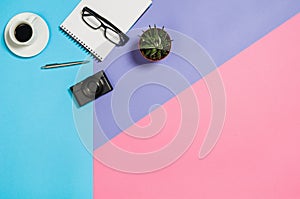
{"x": 76, "y": 39}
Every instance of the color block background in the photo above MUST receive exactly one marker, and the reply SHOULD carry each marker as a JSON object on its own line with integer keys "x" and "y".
{"x": 40, "y": 153}
{"x": 257, "y": 155}
{"x": 223, "y": 28}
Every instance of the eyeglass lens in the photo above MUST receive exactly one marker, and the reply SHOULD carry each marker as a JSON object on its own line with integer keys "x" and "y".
{"x": 92, "y": 21}
{"x": 95, "y": 23}
{"x": 112, "y": 35}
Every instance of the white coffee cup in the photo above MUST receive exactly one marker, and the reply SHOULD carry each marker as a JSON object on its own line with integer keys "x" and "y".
{"x": 30, "y": 21}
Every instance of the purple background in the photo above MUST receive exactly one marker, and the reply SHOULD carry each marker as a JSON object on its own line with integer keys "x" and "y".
{"x": 223, "y": 28}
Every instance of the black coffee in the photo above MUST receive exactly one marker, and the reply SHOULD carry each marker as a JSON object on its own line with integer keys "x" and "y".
{"x": 23, "y": 32}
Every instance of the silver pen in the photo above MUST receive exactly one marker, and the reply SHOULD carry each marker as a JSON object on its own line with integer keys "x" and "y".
{"x": 58, "y": 65}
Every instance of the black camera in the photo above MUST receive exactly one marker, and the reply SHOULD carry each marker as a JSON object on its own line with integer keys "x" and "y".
{"x": 91, "y": 88}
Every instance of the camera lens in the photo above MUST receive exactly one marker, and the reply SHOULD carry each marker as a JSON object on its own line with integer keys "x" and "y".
{"x": 92, "y": 87}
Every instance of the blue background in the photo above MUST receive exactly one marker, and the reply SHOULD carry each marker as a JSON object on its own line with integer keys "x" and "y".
{"x": 41, "y": 155}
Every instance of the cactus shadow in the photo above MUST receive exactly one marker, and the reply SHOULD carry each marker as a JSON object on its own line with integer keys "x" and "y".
{"x": 137, "y": 58}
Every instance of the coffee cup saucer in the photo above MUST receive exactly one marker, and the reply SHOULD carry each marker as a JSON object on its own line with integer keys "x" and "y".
{"x": 40, "y": 41}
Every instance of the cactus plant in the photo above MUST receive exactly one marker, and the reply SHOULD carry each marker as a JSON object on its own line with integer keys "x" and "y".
{"x": 155, "y": 43}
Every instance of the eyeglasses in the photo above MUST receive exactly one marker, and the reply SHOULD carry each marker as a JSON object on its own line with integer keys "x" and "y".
{"x": 111, "y": 32}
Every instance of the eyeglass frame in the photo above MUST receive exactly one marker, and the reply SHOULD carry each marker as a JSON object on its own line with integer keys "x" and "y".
{"x": 123, "y": 37}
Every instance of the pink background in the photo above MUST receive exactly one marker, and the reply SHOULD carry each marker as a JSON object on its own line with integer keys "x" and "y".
{"x": 257, "y": 155}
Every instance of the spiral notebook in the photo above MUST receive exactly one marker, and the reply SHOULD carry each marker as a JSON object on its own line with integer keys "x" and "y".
{"x": 122, "y": 13}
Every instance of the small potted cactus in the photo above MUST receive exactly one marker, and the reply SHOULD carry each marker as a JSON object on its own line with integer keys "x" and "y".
{"x": 155, "y": 43}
